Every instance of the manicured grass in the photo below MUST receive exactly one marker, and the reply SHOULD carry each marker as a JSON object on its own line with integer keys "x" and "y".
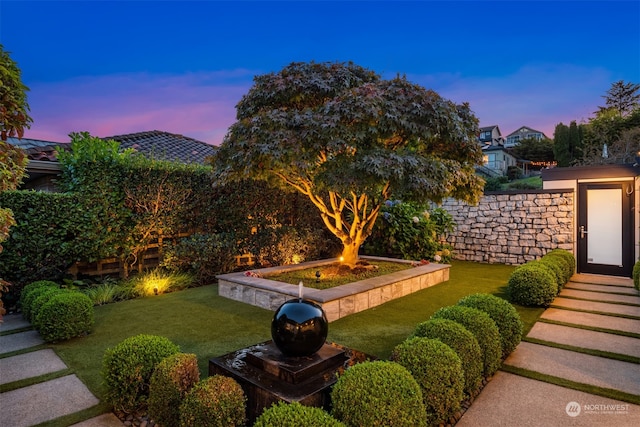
{"x": 201, "y": 322}
{"x": 330, "y": 278}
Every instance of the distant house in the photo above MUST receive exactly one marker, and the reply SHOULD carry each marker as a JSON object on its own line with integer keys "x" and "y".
{"x": 524, "y": 132}
{"x": 43, "y": 167}
{"x": 497, "y": 159}
{"x": 490, "y": 135}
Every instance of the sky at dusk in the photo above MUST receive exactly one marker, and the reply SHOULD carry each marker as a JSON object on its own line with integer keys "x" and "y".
{"x": 118, "y": 67}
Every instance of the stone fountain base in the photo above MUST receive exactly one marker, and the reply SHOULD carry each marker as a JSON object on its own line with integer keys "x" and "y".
{"x": 267, "y": 376}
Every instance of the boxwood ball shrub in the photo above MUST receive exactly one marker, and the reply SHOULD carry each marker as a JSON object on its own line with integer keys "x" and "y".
{"x": 127, "y": 369}
{"x": 378, "y": 393}
{"x": 533, "y": 285}
{"x": 65, "y": 315}
{"x": 40, "y": 301}
{"x": 556, "y": 266}
{"x": 563, "y": 264}
{"x": 636, "y": 275}
{"x": 482, "y": 327}
{"x": 216, "y": 401}
{"x": 32, "y": 291}
{"x": 294, "y": 414}
{"x": 504, "y": 315}
{"x": 438, "y": 371}
{"x": 173, "y": 377}
{"x": 462, "y": 342}
{"x": 568, "y": 258}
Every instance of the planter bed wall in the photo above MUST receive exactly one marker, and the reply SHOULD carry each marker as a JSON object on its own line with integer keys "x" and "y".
{"x": 337, "y": 302}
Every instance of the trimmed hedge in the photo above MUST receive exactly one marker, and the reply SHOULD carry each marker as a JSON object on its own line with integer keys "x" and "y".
{"x": 378, "y": 393}
{"x": 504, "y": 315}
{"x": 30, "y": 292}
{"x": 65, "y": 315}
{"x": 557, "y": 266}
{"x": 294, "y": 414}
{"x": 216, "y": 401}
{"x": 172, "y": 379}
{"x": 462, "y": 342}
{"x": 438, "y": 371}
{"x": 532, "y": 284}
{"x": 127, "y": 369}
{"x": 37, "y": 304}
{"x": 636, "y": 275}
{"x": 482, "y": 327}
{"x": 569, "y": 259}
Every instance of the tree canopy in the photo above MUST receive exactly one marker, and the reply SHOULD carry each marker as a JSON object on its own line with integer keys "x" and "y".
{"x": 350, "y": 140}
{"x": 14, "y": 109}
{"x": 622, "y": 97}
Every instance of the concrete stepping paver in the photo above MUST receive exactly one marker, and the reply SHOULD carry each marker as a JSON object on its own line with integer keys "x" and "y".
{"x": 19, "y": 341}
{"x": 601, "y": 288}
{"x": 45, "y": 401}
{"x": 599, "y": 296}
{"x": 29, "y": 365}
{"x": 578, "y": 367}
{"x": 511, "y": 400}
{"x": 104, "y": 420}
{"x": 602, "y": 280}
{"x": 592, "y": 320}
{"x": 603, "y": 307}
{"x": 13, "y": 321}
{"x": 586, "y": 339}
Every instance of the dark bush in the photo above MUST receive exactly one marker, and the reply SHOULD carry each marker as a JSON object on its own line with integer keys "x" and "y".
{"x": 294, "y": 414}
{"x": 30, "y": 292}
{"x": 504, "y": 315}
{"x": 378, "y": 393}
{"x": 40, "y": 301}
{"x": 482, "y": 327}
{"x": 172, "y": 379}
{"x": 636, "y": 275}
{"x": 285, "y": 245}
{"x": 216, "y": 401}
{"x": 532, "y": 284}
{"x": 438, "y": 371}
{"x": 495, "y": 183}
{"x": 65, "y": 315}
{"x": 204, "y": 255}
{"x": 556, "y": 266}
{"x": 127, "y": 369}
{"x": 462, "y": 342}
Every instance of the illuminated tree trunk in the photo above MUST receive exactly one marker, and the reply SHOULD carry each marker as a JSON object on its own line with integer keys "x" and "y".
{"x": 350, "y": 253}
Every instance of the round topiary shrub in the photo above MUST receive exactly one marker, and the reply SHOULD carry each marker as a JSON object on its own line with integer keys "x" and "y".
{"x": 438, "y": 371}
{"x": 557, "y": 266}
{"x": 482, "y": 327}
{"x": 43, "y": 297}
{"x": 294, "y": 414}
{"x": 636, "y": 275}
{"x": 31, "y": 292}
{"x": 127, "y": 369}
{"x": 533, "y": 285}
{"x": 568, "y": 258}
{"x": 504, "y": 315}
{"x": 216, "y": 401}
{"x": 174, "y": 376}
{"x": 65, "y": 315}
{"x": 378, "y": 393}
{"x": 462, "y": 342}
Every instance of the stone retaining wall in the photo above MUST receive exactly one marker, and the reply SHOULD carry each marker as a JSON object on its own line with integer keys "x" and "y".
{"x": 512, "y": 228}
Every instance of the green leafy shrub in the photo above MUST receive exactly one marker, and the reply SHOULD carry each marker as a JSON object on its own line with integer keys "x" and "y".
{"x": 172, "y": 379}
{"x": 438, "y": 371}
{"x": 203, "y": 255}
{"x": 532, "y": 284}
{"x": 378, "y": 393}
{"x": 65, "y": 315}
{"x": 127, "y": 369}
{"x": 504, "y": 315}
{"x": 556, "y": 266}
{"x": 568, "y": 262}
{"x": 105, "y": 293}
{"x": 462, "y": 342}
{"x": 482, "y": 327}
{"x": 411, "y": 231}
{"x": 40, "y": 301}
{"x": 30, "y": 292}
{"x": 216, "y": 401}
{"x": 284, "y": 245}
{"x": 294, "y": 414}
{"x": 156, "y": 281}
{"x": 636, "y": 275}
{"x": 495, "y": 183}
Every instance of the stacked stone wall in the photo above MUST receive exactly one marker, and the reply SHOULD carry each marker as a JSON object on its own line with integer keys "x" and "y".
{"x": 512, "y": 228}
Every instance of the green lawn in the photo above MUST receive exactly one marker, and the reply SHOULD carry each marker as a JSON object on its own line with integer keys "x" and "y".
{"x": 200, "y": 322}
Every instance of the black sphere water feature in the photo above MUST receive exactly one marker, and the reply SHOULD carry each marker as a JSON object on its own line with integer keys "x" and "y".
{"x": 299, "y": 328}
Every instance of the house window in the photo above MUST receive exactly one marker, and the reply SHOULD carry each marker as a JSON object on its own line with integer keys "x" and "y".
{"x": 513, "y": 140}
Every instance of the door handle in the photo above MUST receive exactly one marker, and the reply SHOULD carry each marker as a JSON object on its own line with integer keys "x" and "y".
{"x": 583, "y": 232}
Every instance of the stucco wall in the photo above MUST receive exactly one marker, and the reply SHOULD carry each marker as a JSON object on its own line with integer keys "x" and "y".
{"x": 512, "y": 228}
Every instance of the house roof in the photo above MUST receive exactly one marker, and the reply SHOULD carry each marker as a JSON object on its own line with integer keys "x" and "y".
{"x": 489, "y": 128}
{"x": 526, "y": 129}
{"x": 38, "y": 149}
{"x": 166, "y": 146}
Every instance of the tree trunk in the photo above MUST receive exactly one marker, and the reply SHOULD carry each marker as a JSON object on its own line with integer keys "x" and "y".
{"x": 350, "y": 253}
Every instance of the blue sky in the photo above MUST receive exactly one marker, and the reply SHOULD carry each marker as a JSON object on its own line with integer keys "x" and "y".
{"x": 116, "y": 67}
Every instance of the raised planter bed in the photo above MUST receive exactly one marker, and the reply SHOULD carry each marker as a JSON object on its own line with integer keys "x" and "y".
{"x": 339, "y": 301}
